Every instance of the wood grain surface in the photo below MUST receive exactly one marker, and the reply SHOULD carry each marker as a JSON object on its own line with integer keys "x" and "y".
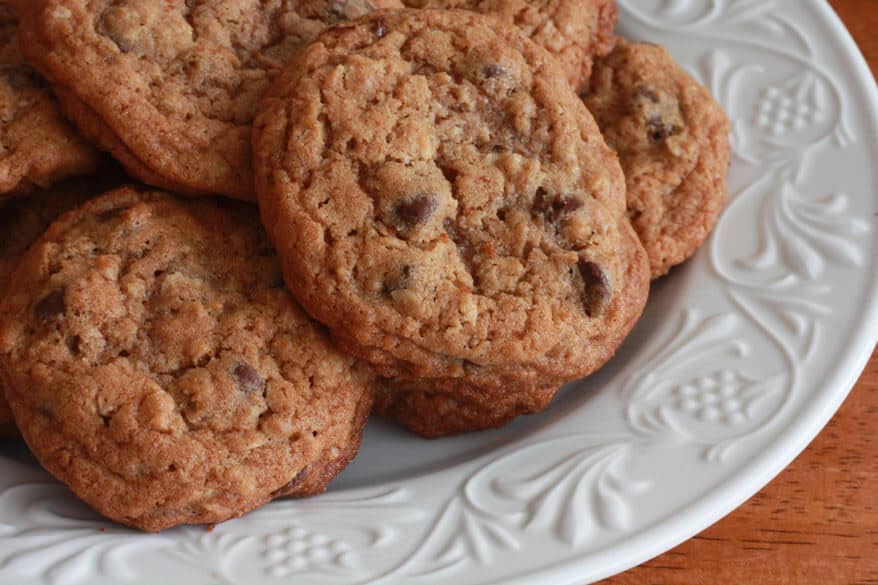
{"x": 817, "y": 522}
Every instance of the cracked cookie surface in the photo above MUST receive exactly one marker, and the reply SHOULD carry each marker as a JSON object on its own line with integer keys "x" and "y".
{"x": 672, "y": 140}
{"x": 574, "y": 31}
{"x": 170, "y": 88}
{"x": 442, "y": 200}
{"x": 155, "y": 363}
{"x": 37, "y": 146}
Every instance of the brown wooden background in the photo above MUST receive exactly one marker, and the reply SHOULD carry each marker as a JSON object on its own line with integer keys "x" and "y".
{"x": 817, "y": 522}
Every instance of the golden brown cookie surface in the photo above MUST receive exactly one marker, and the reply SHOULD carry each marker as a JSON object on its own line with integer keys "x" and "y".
{"x": 37, "y": 146}
{"x": 155, "y": 365}
{"x": 24, "y": 219}
{"x": 170, "y": 88}
{"x": 443, "y": 202}
{"x": 672, "y": 140}
{"x": 574, "y": 31}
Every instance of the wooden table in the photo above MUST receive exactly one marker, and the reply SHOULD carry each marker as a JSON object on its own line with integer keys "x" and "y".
{"x": 817, "y": 522}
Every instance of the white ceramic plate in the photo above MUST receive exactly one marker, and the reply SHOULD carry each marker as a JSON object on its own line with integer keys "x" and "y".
{"x": 741, "y": 358}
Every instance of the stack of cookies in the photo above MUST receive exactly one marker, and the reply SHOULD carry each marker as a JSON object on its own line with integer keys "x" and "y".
{"x": 445, "y": 211}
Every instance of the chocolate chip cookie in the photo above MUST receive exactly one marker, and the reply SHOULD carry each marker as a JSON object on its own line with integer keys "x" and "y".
{"x": 170, "y": 88}
{"x": 574, "y": 31}
{"x": 156, "y": 364}
{"x": 442, "y": 200}
{"x": 672, "y": 140}
{"x": 37, "y": 146}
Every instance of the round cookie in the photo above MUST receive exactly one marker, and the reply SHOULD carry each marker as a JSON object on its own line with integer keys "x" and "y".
{"x": 441, "y": 199}
{"x": 673, "y": 141}
{"x": 37, "y": 146}
{"x": 170, "y": 88}
{"x": 574, "y": 31}
{"x": 155, "y": 364}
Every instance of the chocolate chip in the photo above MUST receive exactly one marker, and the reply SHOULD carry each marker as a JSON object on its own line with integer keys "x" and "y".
{"x": 449, "y": 174}
{"x": 493, "y": 70}
{"x": 596, "y": 291}
{"x": 248, "y": 379}
{"x": 416, "y": 210}
{"x": 379, "y": 27}
{"x": 291, "y": 486}
{"x": 556, "y": 207}
{"x": 399, "y": 280}
{"x": 19, "y": 77}
{"x": 657, "y": 130}
{"x": 565, "y": 204}
{"x": 74, "y": 344}
{"x": 51, "y": 306}
{"x": 112, "y": 213}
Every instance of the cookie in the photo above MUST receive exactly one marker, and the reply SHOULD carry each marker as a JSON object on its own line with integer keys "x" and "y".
{"x": 170, "y": 88}
{"x": 442, "y": 200}
{"x": 672, "y": 140}
{"x": 156, "y": 365}
{"x": 7, "y": 423}
{"x": 434, "y": 414}
{"x": 574, "y": 31}
{"x": 37, "y": 146}
{"x": 22, "y": 221}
